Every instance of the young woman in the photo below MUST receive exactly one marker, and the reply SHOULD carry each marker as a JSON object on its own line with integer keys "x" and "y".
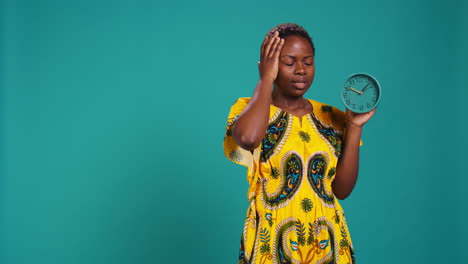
{"x": 301, "y": 155}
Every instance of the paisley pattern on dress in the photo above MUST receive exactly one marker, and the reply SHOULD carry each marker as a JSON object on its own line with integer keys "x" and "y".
{"x": 332, "y": 136}
{"x": 290, "y": 180}
{"x": 280, "y": 247}
{"x": 311, "y": 241}
{"x": 316, "y": 168}
{"x": 277, "y": 132}
{"x": 322, "y": 224}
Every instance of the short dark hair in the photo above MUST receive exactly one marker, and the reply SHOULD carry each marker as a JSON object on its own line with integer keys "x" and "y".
{"x": 291, "y": 29}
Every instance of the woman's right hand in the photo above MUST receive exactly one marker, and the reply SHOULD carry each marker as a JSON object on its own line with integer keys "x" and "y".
{"x": 250, "y": 127}
{"x": 269, "y": 57}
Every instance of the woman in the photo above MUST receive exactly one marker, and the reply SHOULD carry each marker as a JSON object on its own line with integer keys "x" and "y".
{"x": 301, "y": 156}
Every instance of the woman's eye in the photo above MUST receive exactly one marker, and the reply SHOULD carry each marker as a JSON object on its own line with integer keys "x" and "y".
{"x": 289, "y": 64}
{"x": 308, "y": 64}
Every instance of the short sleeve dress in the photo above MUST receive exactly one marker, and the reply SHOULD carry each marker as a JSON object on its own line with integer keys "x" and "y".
{"x": 293, "y": 215}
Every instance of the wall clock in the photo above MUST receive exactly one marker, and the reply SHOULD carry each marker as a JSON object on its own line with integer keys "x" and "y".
{"x": 361, "y": 93}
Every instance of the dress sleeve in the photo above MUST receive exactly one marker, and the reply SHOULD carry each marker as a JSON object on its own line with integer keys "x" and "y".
{"x": 231, "y": 150}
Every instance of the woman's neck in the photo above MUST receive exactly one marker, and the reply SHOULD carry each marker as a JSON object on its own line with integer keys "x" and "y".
{"x": 288, "y": 102}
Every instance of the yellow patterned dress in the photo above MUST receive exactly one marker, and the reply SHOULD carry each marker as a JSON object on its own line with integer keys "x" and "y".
{"x": 293, "y": 215}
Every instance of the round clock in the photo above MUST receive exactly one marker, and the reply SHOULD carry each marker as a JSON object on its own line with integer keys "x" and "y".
{"x": 361, "y": 93}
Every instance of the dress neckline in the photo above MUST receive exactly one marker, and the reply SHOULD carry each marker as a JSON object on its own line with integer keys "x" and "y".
{"x": 312, "y": 104}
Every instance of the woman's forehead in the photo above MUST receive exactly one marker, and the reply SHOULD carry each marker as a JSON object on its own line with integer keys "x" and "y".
{"x": 295, "y": 46}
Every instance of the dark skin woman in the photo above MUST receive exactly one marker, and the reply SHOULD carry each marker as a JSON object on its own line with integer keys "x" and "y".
{"x": 287, "y": 65}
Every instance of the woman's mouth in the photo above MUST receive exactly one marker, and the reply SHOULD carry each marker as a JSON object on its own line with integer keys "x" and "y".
{"x": 299, "y": 84}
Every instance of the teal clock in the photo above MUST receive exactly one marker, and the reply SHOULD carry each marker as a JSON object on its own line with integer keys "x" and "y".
{"x": 361, "y": 93}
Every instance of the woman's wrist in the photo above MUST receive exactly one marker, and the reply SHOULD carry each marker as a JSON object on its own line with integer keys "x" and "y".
{"x": 350, "y": 124}
{"x": 353, "y": 133}
{"x": 267, "y": 81}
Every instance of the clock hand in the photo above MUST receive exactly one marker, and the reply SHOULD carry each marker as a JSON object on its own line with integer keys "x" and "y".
{"x": 356, "y": 90}
{"x": 365, "y": 87}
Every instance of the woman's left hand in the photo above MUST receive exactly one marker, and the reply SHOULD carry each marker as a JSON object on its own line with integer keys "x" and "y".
{"x": 358, "y": 119}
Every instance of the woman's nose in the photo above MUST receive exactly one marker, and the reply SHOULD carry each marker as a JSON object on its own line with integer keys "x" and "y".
{"x": 300, "y": 69}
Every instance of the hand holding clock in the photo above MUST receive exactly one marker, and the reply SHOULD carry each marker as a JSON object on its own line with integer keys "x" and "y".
{"x": 360, "y": 94}
{"x": 358, "y": 119}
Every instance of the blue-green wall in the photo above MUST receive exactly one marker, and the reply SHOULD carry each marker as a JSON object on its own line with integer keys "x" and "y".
{"x": 461, "y": 139}
{"x": 113, "y": 113}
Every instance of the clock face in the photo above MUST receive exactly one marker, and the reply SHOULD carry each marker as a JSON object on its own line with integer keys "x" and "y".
{"x": 361, "y": 93}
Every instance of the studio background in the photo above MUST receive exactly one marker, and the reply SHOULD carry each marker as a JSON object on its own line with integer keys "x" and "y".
{"x": 112, "y": 117}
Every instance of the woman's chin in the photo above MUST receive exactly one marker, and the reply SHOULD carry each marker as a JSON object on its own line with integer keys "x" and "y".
{"x": 298, "y": 91}
{"x": 294, "y": 91}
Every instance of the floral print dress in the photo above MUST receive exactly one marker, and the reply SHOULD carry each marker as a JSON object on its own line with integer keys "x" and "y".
{"x": 293, "y": 216}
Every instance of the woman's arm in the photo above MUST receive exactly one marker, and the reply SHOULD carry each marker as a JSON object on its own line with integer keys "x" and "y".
{"x": 348, "y": 164}
{"x": 250, "y": 127}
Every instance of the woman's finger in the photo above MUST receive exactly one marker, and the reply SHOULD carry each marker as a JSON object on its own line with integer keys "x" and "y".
{"x": 267, "y": 47}
{"x": 266, "y": 40}
{"x": 272, "y": 49}
{"x": 278, "y": 49}
{"x": 269, "y": 43}
{"x": 372, "y": 112}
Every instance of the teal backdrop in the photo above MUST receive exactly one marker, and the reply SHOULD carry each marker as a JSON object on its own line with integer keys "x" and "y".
{"x": 112, "y": 117}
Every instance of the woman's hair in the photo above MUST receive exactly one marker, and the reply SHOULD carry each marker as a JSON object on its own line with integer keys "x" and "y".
{"x": 291, "y": 29}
